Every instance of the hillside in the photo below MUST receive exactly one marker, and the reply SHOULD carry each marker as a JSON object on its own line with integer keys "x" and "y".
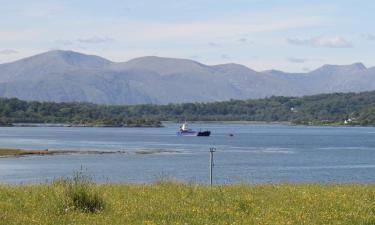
{"x": 66, "y": 76}
{"x": 357, "y": 109}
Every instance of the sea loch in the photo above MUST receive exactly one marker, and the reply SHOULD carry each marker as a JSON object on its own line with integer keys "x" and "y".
{"x": 255, "y": 154}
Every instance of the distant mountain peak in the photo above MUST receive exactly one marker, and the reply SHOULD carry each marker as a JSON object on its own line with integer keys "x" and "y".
{"x": 61, "y": 75}
{"x": 274, "y": 72}
{"x": 60, "y": 60}
{"x": 329, "y": 69}
{"x": 232, "y": 65}
{"x": 61, "y": 53}
{"x": 74, "y": 58}
{"x": 158, "y": 59}
{"x": 359, "y": 66}
{"x": 51, "y": 62}
{"x": 161, "y": 65}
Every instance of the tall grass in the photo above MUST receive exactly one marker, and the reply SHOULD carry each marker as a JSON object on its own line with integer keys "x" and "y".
{"x": 80, "y": 194}
{"x": 79, "y": 201}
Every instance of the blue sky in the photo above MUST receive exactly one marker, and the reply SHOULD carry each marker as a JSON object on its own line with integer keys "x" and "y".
{"x": 287, "y": 35}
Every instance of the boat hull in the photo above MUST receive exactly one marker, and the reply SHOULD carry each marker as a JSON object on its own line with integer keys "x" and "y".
{"x": 204, "y": 133}
{"x": 187, "y": 133}
{"x": 194, "y": 133}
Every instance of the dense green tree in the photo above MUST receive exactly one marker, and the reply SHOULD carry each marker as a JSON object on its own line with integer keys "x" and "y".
{"x": 357, "y": 108}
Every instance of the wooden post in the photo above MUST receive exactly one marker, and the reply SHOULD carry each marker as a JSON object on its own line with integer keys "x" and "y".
{"x": 212, "y": 150}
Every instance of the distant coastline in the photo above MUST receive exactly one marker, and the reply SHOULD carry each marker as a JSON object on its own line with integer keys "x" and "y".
{"x": 244, "y": 122}
{"x": 238, "y": 122}
{"x": 340, "y": 109}
{"x": 9, "y": 152}
{"x": 14, "y": 152}
{"x": 84, "y": 125}
{"x": 286, "y": 123}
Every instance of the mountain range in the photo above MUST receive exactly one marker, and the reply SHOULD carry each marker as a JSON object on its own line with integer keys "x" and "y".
{"x": 65, "y": 76}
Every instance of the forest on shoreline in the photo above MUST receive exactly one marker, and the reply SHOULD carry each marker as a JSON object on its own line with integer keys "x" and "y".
{"x": 322, "y": 109}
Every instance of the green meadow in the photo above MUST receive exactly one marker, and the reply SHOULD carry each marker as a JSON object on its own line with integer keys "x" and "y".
{"x": 79, "y": 201}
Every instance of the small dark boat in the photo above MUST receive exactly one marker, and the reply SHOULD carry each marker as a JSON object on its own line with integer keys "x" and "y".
{"x": 204, "y": 133}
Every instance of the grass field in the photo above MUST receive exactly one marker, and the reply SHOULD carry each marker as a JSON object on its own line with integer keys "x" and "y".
{"x": 80, "y": 202}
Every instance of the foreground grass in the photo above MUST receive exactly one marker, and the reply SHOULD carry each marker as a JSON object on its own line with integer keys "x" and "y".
{"x": 174, "y": 203}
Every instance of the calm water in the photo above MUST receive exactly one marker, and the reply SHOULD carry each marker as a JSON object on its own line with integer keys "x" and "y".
{"x": 256, "y": 154}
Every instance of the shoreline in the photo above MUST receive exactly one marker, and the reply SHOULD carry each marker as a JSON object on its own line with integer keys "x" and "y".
{"x": 15, "y": 153}
{"x": 241, "y": 122}
{"x": 10, "y": 152}
{"x": 80, "y": 125}
{"x": 285, "y": 123}
{"x": 237, "y": 122}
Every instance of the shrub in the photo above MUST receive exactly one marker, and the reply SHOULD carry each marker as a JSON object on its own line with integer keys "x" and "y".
{"x": 80, "y": 194}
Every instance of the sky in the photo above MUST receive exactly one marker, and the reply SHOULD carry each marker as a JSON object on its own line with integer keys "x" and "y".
{"x": 288, "y": 35}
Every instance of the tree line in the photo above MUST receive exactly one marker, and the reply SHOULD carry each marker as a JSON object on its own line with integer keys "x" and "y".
{"x": 337, "y": 108}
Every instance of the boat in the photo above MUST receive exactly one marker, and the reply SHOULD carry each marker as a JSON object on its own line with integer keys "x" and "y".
{"x": 186, "y": 131}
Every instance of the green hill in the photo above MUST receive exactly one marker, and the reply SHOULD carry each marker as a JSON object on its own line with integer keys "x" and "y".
{"x": 330, "y": 109}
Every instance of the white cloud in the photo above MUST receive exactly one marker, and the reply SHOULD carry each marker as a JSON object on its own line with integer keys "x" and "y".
{"x": 31, "y": 10}
{"x": 95, "y": 40}
{"x": 369, "y": 37}
{"x": 332, "y": 42}
{"x": 8, "y": 52}
{"x": 19, "y": 35}
{"x": 64, "y": 42}
{"x": 209, "y": 29}
{"x": 322, "y": 42}
{"x": 43, "y": 10}
{"x": 297, "y": 60}
{"x": 242, "y": 40}
{"x": 19, "y": 54}
{"x": 225, "y": 56}
{"x": 214, "y": 44}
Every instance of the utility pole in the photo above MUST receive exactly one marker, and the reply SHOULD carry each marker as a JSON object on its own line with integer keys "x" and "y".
{"x": 212, "y": 150}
